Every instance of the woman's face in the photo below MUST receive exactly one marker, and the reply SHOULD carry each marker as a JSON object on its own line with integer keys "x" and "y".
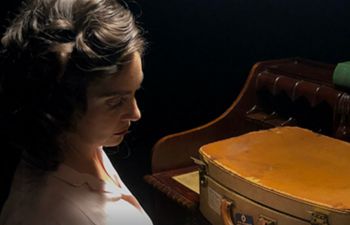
{"x": 111, "y": 107}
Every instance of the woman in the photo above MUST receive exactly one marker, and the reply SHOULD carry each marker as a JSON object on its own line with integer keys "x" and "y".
{"x": 75, "y": 66}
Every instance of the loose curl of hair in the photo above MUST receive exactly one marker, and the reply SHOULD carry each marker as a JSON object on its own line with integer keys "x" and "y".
{"x": 51, "y": 52}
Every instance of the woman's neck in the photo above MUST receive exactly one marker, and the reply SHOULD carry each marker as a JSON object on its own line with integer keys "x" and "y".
{"x": 82, "y": 157}
{"x": 82, "y": 162}
{"x": 86, "y": 158}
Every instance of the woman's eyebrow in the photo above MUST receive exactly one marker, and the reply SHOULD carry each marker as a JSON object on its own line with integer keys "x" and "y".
{"x": 110, "y": 93}
{"x": 107, "y": 93}
{"x": 114, "y": 93}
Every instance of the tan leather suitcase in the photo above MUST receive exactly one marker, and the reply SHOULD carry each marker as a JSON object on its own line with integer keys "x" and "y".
{"x": 280, "y": 176}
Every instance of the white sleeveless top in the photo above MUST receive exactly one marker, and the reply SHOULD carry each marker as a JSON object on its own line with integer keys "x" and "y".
{"x": 67, "y": 197}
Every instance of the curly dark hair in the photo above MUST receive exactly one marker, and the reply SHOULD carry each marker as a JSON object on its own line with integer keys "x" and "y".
{"x": 51, "y": 52}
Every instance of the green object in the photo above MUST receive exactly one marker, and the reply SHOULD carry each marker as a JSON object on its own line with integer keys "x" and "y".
{"x": 341, "y": 74}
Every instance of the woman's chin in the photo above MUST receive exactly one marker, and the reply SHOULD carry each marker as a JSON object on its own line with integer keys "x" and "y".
{"x": 114, "y": 141}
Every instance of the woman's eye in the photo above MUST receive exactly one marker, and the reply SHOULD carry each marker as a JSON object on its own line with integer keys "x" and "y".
{"x": 115, "y": 102}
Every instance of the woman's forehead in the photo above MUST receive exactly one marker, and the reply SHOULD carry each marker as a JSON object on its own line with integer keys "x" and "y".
{"x": 126, "y": 81}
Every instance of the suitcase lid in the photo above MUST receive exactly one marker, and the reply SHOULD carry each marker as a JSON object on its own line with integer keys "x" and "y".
{"x": 289, "y": 160}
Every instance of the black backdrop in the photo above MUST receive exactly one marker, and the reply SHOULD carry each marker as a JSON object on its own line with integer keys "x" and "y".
{"x": 200, "y": 53}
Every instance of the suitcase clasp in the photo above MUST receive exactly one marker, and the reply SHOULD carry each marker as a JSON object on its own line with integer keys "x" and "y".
{"x": 318, "y": 218}
{"x": 263, "y": 220}
{"x": 202, "y": 170}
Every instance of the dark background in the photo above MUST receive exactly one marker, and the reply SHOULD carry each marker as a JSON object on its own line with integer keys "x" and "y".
{"x": 200, "y": 53}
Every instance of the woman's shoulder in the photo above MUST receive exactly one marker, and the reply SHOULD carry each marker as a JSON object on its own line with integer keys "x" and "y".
{"x": 37, "y": 197}
{"x": 63, "y": 213}
{"x": 60, "y": 212}
{"x": 44, "y": 210}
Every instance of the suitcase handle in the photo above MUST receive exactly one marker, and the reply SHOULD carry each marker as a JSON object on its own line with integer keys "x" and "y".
{"x": 226, "y": 208}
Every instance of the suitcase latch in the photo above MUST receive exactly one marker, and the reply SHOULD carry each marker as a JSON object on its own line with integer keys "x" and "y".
{"x": 263, "y": 220}
{"x": 202, "y": 170}
{"x": 319, "y": 218}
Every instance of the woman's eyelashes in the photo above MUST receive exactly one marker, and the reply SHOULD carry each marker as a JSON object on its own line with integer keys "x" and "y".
{"x": 116, "y": 102}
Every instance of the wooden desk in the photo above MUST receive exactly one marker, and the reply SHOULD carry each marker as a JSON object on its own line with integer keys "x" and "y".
{"x": 175, "y": 204}
{"x": 293, "y": 92}
{"x": 164, "y": 182}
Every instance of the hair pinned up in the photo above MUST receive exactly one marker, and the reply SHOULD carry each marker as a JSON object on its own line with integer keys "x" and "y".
{"x": 52, "y": 51}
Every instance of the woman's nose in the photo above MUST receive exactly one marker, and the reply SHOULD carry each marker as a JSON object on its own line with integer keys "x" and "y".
{"x": 134, "y": 113}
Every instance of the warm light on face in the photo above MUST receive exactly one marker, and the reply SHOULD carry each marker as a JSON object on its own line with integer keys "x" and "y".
{"x": 111, "y": 107}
